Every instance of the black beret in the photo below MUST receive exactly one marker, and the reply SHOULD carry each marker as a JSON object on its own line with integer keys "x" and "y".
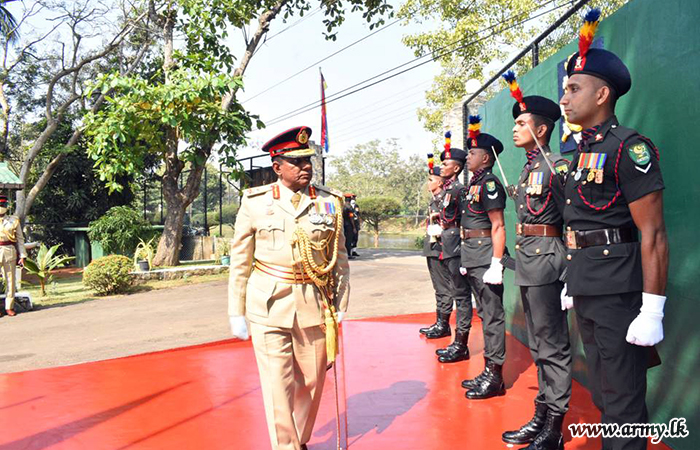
{"x": 536, "y": 104}
{"x": 454, "y": 153}
{"x": 486, "y": 142}
{"x": 602, "y": 64}
{"x": 435, "y": 171}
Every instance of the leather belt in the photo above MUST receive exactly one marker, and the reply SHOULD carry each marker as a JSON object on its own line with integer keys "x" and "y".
{"x": 528, "y": 229}
{"x": 449, "y": 227}
{"x": 282, "y": 274}
{"x": 608, "y": 236}
{"x": 3, "y": 243}
{"x": 478, "y": 233}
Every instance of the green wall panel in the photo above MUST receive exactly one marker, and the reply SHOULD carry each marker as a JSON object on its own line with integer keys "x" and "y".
{"x": 660, "y": 44}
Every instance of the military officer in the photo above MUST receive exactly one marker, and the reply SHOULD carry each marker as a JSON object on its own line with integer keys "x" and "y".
{"x": 453, "y": 162}
{"x": 289, "y": 275}
{"x": 349, "y": 224}
{"x": 617, "y": 250}
{"x": 357, "y": 222}
{"x": 540, "y": 265}
{"x": 432, "y": 247}
{"x": 12, "y": 251}
{"x": 483, "y": 245}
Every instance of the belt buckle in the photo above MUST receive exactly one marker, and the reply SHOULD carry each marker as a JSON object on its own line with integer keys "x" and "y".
{"x": 519, "y": 228}
{"x": 571, "y": 239}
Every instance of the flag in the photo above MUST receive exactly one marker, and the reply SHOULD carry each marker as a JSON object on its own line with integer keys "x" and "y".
{"x": 324, "y": 121}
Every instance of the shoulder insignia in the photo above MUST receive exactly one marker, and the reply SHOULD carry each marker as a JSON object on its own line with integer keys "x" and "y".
{"x": 491, "y": 186}
{"x": 252, "y": 192}
{"x": 640, "y": 154}
{"x": 562, "y": 167}
{"x": 329, "y": 190}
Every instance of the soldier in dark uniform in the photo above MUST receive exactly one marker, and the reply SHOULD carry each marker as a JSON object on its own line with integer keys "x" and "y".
{"x": 540, "y": 264}
{"x": 357, "y": 222}
{"x": 349, "y": 225}
{"x": 613, "y": 198}
{"x": 432, "y": 248}
{"x": 453, "y": 161}
{"x": 484, "y": 240}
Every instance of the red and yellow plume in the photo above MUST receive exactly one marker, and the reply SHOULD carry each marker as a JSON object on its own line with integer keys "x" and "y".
{"x": 590, "y": 25}
{"x": 515, "y": 91}
{"x": 474, "y": 126}
{"x": 431, "y": 162}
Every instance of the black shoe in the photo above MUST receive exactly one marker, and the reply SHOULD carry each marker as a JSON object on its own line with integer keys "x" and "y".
{"x": 490, "y": 385}
{"x": 354, "y": 253}
{"x": 528, "y": 432}
{"x": 442, "y": 327}
{"x": 433, "y": 329}
{"x": 550, "y": 438}
{"x": 457, "y": 351}
{"x": 473, "y": 382}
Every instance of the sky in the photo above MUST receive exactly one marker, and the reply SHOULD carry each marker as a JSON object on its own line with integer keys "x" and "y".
{"x": 386, "y": 110}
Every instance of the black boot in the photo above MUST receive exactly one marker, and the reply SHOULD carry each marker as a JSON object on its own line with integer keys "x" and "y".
{"x": 472, "y": 382}
{"x": 550, "y": 438}
{"x": 458, "y": 350}
{"x": 528, "y": 432}
{"x": 441, "y": 328}
{"x": 491, "y": 385}
{"x": 432, "y": 328}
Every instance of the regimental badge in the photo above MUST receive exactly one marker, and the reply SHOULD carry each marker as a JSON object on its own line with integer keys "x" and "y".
{"x": 579, "y": 63}
{"x": 562, "y": 169}
{"x": 303, "y": 136}
{"x": 640, "y": 154}
{"x": 598, "y": 137}
{"x": 491, "y": 186}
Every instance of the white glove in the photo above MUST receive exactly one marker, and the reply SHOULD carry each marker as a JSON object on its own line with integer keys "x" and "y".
{"x": 340, "y": 315}
{"x": 647, "y": 330}
{"x": 239, "y": 328}
{"x": 567, "y": 301}
{"x": 434, "y": 230}
{"x": 463, "y": 271}
{"x": 494, "y": 274}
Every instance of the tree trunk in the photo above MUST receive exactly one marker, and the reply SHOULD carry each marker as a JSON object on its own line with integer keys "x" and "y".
{"x": 376, "y": 235}
{"x": 169, "y": 245}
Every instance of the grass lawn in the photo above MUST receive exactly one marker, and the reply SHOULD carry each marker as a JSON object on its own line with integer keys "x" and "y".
{"x": 69, "y": 289}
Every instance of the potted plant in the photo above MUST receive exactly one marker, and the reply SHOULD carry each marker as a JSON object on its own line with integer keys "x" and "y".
{"x": 223, "y": 252}
{"x": 143, "y": 255}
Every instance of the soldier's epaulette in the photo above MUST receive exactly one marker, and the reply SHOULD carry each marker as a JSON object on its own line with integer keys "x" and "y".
{"x": 252, "y": 192}
{"x": 623, "y": 133}
{"x": 329, "y": 190}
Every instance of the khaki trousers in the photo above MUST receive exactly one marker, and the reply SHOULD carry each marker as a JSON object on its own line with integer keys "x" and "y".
{"x": 8, "y": 263}
{"x": 292, "y": 366}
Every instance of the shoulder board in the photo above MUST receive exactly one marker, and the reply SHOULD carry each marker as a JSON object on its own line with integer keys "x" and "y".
{"x": 252, "y": 192}
{"x": 623, "y": 133}
{"x": 490, "y": 177}
{"x": 329, "y": 190}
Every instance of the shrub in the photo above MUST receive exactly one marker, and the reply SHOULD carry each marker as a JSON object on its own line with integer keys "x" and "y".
{"x": 120, "y": 230}
{"x": 109, "y": 274}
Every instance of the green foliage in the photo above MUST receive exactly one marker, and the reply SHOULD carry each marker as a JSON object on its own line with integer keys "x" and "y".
{"x": 144, "y": 251}
{"x": 229, "y": 216}
{"x": 458, "y": 25}
{"x": 119, "y": 230}
{"x": 419, "y": 242}
{"x": 374, "y": 210}
{"x": 46, "y": 261}
{"x": 378, "y": 169}
{"x": 109, "y": 274}
{"x": 136, "y": 120}
{"x": 74, "y": 195}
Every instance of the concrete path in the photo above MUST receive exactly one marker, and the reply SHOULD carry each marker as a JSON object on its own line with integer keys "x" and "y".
{"x": 383, "y": 283}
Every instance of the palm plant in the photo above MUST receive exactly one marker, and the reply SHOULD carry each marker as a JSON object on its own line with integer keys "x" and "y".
{"x": 144, "y": 251}
{"x": 46, "y": 261}
{"x": 8, "y": 23}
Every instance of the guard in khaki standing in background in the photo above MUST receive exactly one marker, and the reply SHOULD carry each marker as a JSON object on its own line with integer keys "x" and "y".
{"x": 289, "y": 275}
{"x": 12, "y": 250}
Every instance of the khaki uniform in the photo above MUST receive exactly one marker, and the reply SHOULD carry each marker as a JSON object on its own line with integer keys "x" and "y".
{"x": 285, "y": 316}
{"x": 11, "y": 243}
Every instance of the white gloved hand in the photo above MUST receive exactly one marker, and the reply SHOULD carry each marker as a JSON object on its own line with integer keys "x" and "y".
{"x": 463, "y": 271}
{"x": 340, "y": 315}
{"x": 494, "y": 274}
{"x": 239, "y": 328}
{"x": 567, "y": 301}
{"x": 647, "y": 329}
{"x": 434, "y": 230}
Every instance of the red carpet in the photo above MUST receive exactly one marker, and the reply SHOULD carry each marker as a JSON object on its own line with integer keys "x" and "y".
{"x": 208, "y": 397}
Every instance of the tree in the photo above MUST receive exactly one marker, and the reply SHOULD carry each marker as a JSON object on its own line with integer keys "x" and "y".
{"x": 190, "y": 105}
{"x": 378, "y": 169}
{"x": 8, "y": 23}
{"x": 374, "y": 210}
{"x": 471, "y": 35}
{"x": 45, "y": 74}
